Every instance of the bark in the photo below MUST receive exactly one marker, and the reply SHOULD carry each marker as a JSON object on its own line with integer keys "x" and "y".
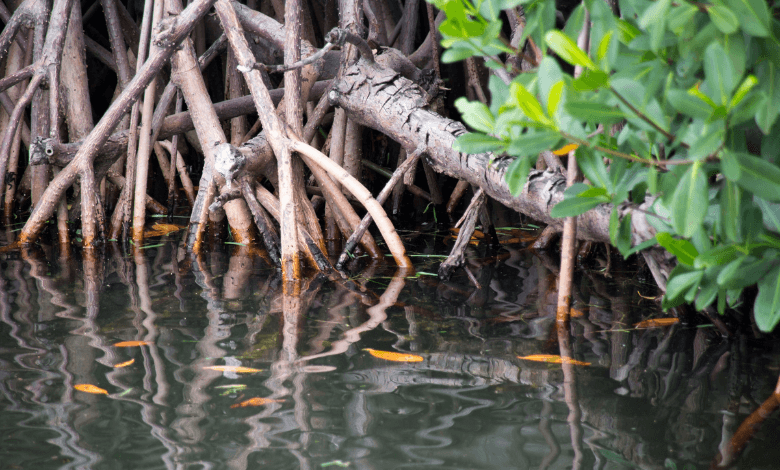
{"x": 171, "y": 33}
{"x": 386, "y": 101}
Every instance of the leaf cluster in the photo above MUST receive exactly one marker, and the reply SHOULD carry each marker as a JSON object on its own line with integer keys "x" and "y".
{"x": 695, "y": 91}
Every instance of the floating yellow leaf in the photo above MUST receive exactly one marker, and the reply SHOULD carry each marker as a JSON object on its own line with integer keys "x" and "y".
{"x": 124, "y": 364}
{"x": 657, "y": 322}
{"x": 129, "y": 344}
{"x": 89, "y": 388}
{"x": 256, "y": 401}
{"x": 553, "y": 359}
{"x": 167, "y": 228}
{"x": 158, "y": 230}
{"x": 565, "y": 149}
{"x": 394, "y": 356}
{"x": 236, "y": 369}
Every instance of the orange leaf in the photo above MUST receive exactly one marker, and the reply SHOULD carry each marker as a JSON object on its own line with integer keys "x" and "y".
{"x": 128, "y": 344}
{"x": 576, "y": 313}
{"x": 394, "y": 356}
{"x": 236, "y": 369}
{"x": 256, "y": 401}
{"x": 553, "y": 359}
{"x": 657, "y": 322}
{"x": 565, "y": 149}
{"x": 124, "y": 364}
{"x": 166, "y": 228}
{"x": 89, "y": 388}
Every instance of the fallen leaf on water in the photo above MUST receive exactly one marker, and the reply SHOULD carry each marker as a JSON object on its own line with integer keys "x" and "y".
{"x": 89, "y": 388}
{"x": 394, "y": 356}
{"x": 236, "y": 369}
{"x": 124, "y": 364}
{"x": 553, "y": 359}
{"x": 158, "y": 230}
{"x": 657, "y": 322}
{"x": 129, "y": 344}
{"x": 168, "y": 228}
{"x": 256, "y": 401}
{"x": 565, "y": 150}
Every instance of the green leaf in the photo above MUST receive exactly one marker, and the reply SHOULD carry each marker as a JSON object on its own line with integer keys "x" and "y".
{"x": 476, "y": 115}
{"x": 654, "y": 20}
{"x": 575, "y": 206}
{"x": 753, "y": 16}
{"x": 554, "y": 98}
{"x": 456, "y": 54}
{"x": 592, "y": 166}
{"x": 730, "y": 205}
{"x": 719, "y": 72}
{"x": 529, "y": 104}
{"x": 607, "y": 51}
{"x": 681, "y": 280}
{"x": 744, "y": 271}
{"x": 758, "y": 176}
{"x": 690, "y": 202}
{"x": 593, "y": 192}
{"x": 491, "y": 9}
{"x": 620, "y": 232}
{"x": 549, "y": 74}
{"x": 683, "y": 249}
{"x": 766, "y": 309}
{"x": 627, "y": 32}
{"x": 516, "y": 174}
{"x": 591, "y": 80}
{"x": 645, "y": 244}
{"x": 594, "y": 113}
{"x": 768, "y": 84}
{"x": 694, "y": 91}
{"x": 771, "y": 214}
{"x": 723, "y": 18}
{"x": 708, "y": 142}
{"x": 688, "y": 104}
{"x": 533, "y": 142}
{"x": 568, "y": 50}
{"x": 680, "y": 18}
{"x": 717, "y": 256}
{"x": 474, "y": 142}
{"x": 744, "y": 88}
{"x": 706, "y": 296}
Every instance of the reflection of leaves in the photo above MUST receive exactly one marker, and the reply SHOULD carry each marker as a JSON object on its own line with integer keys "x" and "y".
{"x": 236, "y": 369}
{"x": 89, "y": 388}
{"x": 232, "y": 388}
{"x": 124, "y": 364}
{"x": 615, "y": 457}
{"x": 256, "y": 401}
{"x": 553, "y": 359}
{"x": 657, "y": 322}
{"x": 394, "y": 356}
{"x": 129, "y": 344}
{"x": 338, "y": 463}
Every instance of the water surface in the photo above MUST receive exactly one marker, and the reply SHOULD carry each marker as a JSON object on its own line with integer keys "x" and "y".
{"x": 667, "y": 397}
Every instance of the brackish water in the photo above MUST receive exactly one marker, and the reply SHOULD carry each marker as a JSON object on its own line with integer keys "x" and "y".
{"x": 666, "y": 397}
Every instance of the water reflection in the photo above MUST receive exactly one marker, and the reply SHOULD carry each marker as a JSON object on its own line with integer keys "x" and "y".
{"x": 651, "y": 398}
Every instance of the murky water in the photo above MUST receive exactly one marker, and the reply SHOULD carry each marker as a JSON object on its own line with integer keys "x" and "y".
{"x": 667, "y": 397}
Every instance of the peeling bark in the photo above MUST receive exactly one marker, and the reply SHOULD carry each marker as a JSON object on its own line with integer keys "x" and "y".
{"x": 386, "y": 101}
